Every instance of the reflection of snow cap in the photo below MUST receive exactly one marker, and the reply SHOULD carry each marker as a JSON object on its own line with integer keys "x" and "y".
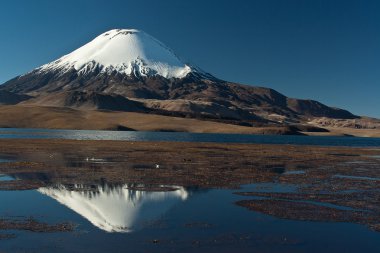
{"x": 116, "y": 209}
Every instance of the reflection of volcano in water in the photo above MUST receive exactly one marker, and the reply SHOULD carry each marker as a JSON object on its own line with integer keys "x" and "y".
{"x": 116, "y": 208}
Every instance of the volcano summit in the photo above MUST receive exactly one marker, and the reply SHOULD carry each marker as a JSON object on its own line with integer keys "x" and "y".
{"x": 123, "y": 51}
{"x": 129, "y": 70}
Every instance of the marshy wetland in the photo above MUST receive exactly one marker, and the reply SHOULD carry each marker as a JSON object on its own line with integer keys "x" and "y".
{"x": 158, "y": 196}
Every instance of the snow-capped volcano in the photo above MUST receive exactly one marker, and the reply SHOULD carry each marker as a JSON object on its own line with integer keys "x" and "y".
{"x": 127, "y": 51}
{"x": 129, "y": 70}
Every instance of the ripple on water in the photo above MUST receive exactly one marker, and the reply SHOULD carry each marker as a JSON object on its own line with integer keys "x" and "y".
{"x": 5, "y": 178}
{"x": 270, "y": 187}
{"x": 295, "y": 172}
{"x": 4, "y": 160}
{"x": 356, "y": 177}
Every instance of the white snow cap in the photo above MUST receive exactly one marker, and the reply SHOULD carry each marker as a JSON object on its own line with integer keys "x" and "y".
{"x": 127, "y": 51}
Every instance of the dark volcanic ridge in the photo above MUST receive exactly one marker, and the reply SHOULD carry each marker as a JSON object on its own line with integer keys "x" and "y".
{"x": 190, "y": 94}
{"x": 10, "y": 98}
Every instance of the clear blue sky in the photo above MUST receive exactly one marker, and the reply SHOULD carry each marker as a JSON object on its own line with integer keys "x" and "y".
{"x": 327, "y": 50}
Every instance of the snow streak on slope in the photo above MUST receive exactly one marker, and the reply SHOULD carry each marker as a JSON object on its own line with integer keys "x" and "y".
{"x": 127, "y": 51}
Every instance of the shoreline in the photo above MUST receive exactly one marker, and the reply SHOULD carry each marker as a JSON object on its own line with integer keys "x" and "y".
{"x": 21, "y": 116}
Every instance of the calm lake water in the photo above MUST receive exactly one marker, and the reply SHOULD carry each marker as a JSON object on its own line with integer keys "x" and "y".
{"x": 17, "y": 133}
{"x": 117, "y": 219}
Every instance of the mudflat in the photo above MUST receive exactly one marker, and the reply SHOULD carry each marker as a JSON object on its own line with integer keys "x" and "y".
{"x": 28, "y": 116}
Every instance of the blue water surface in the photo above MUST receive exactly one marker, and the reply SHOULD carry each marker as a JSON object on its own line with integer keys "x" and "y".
{"x": 18, "y": 133}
